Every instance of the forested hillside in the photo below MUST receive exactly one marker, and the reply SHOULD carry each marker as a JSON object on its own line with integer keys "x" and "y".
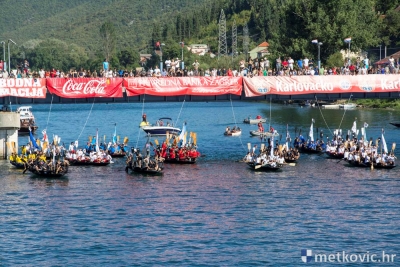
{"x": 63, "y": 34}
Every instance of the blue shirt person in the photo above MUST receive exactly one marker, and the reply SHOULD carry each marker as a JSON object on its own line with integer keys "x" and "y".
{"x": 105, "y": 65}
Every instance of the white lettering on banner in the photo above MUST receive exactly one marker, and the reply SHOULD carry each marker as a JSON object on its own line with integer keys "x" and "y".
{"x": 23, "y": 92}
{"x": 91, "y": 87}
{"x": 390, "y": 85}
{"x": 23, "y": 82}
{"x": 300, "y": 87}
{"x": 177, "y": 82}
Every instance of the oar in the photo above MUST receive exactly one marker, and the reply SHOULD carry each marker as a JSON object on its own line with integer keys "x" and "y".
{"x": 156, "y": 141}
{"x": 257, "y": 166}
{"x": 393, "y": 147}
{"x": 249, "y": 146}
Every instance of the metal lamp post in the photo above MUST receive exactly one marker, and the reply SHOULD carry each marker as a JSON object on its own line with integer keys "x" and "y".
{"x": 161, "y": 61}
{"x": 182, "y": 44}
{"x": 348, "y": 40}
{"x": 9, "y": 61}
{"x": 4, "y": 50}
{"x": 319, "y": 51}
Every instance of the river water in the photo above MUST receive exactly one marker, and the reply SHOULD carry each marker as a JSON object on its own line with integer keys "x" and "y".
{"x": 214, "y": 213}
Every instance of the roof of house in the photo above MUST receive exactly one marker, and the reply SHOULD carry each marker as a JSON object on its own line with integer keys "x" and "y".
{"x": 263, "y": 44}
{"x": 386, "y": 59}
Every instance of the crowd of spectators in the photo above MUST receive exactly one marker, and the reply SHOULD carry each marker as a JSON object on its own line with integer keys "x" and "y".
{"x": 253, "y": 67}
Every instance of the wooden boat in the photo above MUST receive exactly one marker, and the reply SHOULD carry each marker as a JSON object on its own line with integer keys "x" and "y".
{"x": 180, "y": 161}
{"x": 361, "y": 164}
{"x": 291, "y": 158}
{"x": 397, "y": 124}
{"x": 153, "y": 168}
{"x": 161, "y": 127}
{"x": 27, "y": 120}
{"x": 265, "y": 167}
{"x": 146, "y": 170}
{"x": 335, "y": 155}
{"x": 263, "y": 134}
{"x": 254, "y": 121}
{"x": 47, "y": 169}
{"x": 77, "y": 162}
{"x": 18, "y": 165}
{"x": 119, "y": 154}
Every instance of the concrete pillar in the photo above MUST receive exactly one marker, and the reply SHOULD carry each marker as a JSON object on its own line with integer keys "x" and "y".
{"x": 9, "y": 125}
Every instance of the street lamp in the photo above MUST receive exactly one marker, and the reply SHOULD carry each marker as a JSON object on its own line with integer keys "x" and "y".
{"x": 4, "y": 50}
{"x": 9, "y": 63}
{"x": 319, "y": 51}
{"x": 182, "y": 45}
{"x": 348, "y": 41}
{"x": 161, "y": 62}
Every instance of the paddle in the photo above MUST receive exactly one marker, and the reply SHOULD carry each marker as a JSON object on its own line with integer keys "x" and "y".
{"x": 257, "y": 166}
{"x": 249, "y": 146}
{"x": 156, "y": 141}
{"x": 393, "y": 147}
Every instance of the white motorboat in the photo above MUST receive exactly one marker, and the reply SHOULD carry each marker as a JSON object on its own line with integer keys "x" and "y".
{"x": 348, "y": 106}
{"x": 162, "y": 126}
{"x": 254, "y": 121}
{"x": 264, "y": 134}
{"x": 330, "y": 106}
{"x": 27, "y": 119}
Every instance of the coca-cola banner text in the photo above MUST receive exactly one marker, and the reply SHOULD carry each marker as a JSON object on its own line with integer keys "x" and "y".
{"x": 297, "y": 85}
{"x": 173, "y": 86}
{"x": 85, "y": 87}
{"x": 23, "y": 87}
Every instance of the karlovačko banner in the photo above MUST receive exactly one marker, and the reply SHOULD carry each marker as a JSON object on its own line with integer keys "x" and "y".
{"x": 297, "y": 85}
{"x": 199, "y": 86}
{"x": 174, "y": 86}
{"x": 24, "y": 87}
{"x": 85, "y": 87}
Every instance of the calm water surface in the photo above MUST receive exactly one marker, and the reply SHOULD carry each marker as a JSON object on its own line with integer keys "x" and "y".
{"x": 214, "y": 213}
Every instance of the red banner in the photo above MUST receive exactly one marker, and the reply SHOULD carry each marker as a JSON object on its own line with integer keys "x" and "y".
{"x": 173, "y": 86}
{"x": 297, "y": 85}
{"x": 23, "y": 87}
{"x": 85, "y": 87}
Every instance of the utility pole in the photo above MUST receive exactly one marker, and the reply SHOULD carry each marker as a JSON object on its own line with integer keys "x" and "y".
{"x": 234, "y": 40}
{"x": 246, "y": 41}
{"x": 222, "y": 34}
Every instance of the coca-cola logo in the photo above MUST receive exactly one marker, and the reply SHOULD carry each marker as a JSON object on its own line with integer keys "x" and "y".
{"x": 86, "y": 88}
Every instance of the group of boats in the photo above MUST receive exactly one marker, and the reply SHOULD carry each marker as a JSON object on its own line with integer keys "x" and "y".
{"x": 51, "y": 159}
{"x": 356, "y": 150}
{"x": 180, "y": 147}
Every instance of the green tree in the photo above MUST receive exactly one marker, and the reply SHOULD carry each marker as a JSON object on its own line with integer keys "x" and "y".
{"x": 108, "y": 37}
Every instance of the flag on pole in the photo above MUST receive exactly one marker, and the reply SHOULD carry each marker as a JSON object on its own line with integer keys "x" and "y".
{"x": 385, "y": 149}
{"x": 311, "y": 134}
{"x": 347, "y": 40}
{"x": 97, "y": 141}
{"x": 45, "y": 138}
{"x": 354, "y": 128}
{"x": 182, "y": 135}
{"x": 32, "y": 139}
{"x": 115, "y": 135}
{"x": 315, "y": 41}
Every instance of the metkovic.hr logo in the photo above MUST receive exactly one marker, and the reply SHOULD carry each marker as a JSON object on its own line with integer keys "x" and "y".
{"x": 306, "y": 255}
{"x": 343, "y": 256}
